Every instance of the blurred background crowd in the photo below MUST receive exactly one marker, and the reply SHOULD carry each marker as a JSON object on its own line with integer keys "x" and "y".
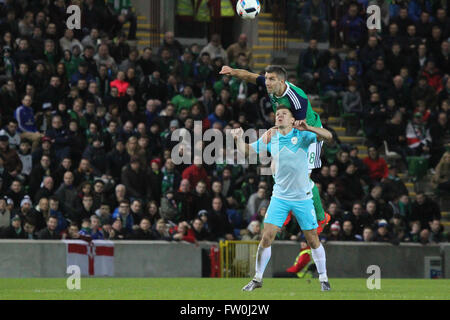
{"x": 87, "y": 120}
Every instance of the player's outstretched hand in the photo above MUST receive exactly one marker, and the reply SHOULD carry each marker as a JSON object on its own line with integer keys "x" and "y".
{"x": 301, "y": 125}
{"x": 237, "y": 133}
{"x": 226, "y": 70}
{"x": 267, "y": 136}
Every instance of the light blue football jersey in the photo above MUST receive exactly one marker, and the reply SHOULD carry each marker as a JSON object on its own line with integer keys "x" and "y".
{"x": 289, "y": 163}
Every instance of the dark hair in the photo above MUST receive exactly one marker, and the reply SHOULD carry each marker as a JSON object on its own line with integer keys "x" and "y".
{"x": 282, "y": 106}
{"x": 278, "y": 70}
{"x": 146, "y": 218}
{"x": 26, "y": 141}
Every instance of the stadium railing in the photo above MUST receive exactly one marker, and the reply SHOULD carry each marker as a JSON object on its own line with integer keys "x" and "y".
{"x": 237, "y": 258}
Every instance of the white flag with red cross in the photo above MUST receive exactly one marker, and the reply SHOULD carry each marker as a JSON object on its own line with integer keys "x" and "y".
{"x": 95, "y": 258}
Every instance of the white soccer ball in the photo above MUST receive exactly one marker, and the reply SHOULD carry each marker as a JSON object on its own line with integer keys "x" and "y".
{"x": 248, "y": 9}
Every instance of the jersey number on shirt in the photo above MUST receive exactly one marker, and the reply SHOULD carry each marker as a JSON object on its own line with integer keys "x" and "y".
{"x": 311, "y": 157}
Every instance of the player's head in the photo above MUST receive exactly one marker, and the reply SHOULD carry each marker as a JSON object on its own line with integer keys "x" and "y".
{"x": 275, "y": 77}
{"x": 284, "y": 117}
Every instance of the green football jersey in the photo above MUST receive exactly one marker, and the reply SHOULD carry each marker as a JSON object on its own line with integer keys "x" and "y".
{"x": 296, "y": 99}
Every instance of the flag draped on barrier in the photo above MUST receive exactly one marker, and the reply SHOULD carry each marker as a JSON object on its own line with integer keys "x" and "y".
{"x": 95, "y": 258}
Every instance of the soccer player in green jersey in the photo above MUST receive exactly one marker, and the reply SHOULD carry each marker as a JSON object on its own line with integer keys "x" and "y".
{"x": 282, "y": 92}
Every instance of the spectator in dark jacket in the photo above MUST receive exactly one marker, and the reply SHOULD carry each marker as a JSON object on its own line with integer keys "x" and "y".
{"x": 160, "y": 231}
{"x": 134, "y": 179}
{"x": 116, "y": 160}
{"x": 14, "y": 231}
{"x": 332, "y": 82}
{"x": 82, "y": 73}
{"x": 424, "y": 210}
{"x": 202, "y": 199}
{"x": 96, "y": 155}
{"x": 38, "y": 174}
{"x": 313, "y": 16}
{"x": 200, "y": 232}
{"x": 370, "y": 53}
{"x": 218, "y": 221}
{"x": 67, "y": 195}
{"x": 379, "y": 76}
{"x": 144, "y": 232}
{"x": 393, "y": 186}
{"x": 437, "y": 235}
{"x": 349, "y": 186}
{"x": 348, "y": 233}
{"x": 308, "y": 64}
{"x": 49, "y": 233}
{"x": 352, "y": 26}
{"x": 382, "y": 234}
{"x": 155, "y": 177}
{"x": 423, "y": 91}
{"x": 12, "y": 162}
{"x": 60, "y": 138}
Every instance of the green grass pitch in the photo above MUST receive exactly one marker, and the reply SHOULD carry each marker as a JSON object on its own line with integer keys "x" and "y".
{"x": 220, "y": 289}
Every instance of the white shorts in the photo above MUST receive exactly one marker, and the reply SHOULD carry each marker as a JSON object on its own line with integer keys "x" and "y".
{"x": 314, "y": 152}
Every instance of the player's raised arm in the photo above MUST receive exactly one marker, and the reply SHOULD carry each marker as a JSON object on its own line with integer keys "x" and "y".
{"x": 322, "y": 134}
{"x": 241, "y": 145}
{"x": 240, "y": 73}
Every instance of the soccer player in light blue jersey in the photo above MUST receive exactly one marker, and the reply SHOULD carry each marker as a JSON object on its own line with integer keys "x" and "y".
{"x": 292, "y": 190}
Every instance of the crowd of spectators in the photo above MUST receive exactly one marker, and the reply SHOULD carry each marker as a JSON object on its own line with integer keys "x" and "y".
{"x": 87, "y": 122}
{"x": 395, "y": 83}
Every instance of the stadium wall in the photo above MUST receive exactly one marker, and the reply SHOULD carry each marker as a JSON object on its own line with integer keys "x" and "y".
{"x": 46, "y": 258}
{"x": 351, "y": 259}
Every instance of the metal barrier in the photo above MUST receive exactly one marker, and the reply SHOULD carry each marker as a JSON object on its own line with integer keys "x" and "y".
{"x": 155, "y": 23}
{"x": 279, "y": 27}
{"x": 237, "y": 258}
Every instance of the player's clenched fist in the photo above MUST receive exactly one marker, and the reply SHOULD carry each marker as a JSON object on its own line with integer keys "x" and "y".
{"x": 301, "y": 125}
{"x": 237, "y": 133}
{"x": 226, "y": 70}
{"x": 267, "y": 136}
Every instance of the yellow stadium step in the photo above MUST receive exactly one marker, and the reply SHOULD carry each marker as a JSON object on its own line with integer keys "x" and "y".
{"x": 337, "y": 128}
{"x": 271, "y": 39}
{"x": 445, "y": 223}
{"x": 361, "y": 147}
{"x": 255, "y": 48}
{"x": 261, "y": 56}
{"x": 412, "y": 194}
{"x": 265, "y": 23}
{"x": 349, "y": 139}
{"x": 265, "y": 15}
{"x": 333, "y": 120}
{"x": 141, "y": 18}
{"x": 402, "y": 176}
{"x": 144, "y": 42}
{"x": 270, "y": 32}
{"x": 445, "y": 215}
{"x": 318, "y": 110}
{"x": 142, "y": 34}
{"x": 258, "y": 65}
{"x": 409, "y": 186}
{"x": 141, "y": 26}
